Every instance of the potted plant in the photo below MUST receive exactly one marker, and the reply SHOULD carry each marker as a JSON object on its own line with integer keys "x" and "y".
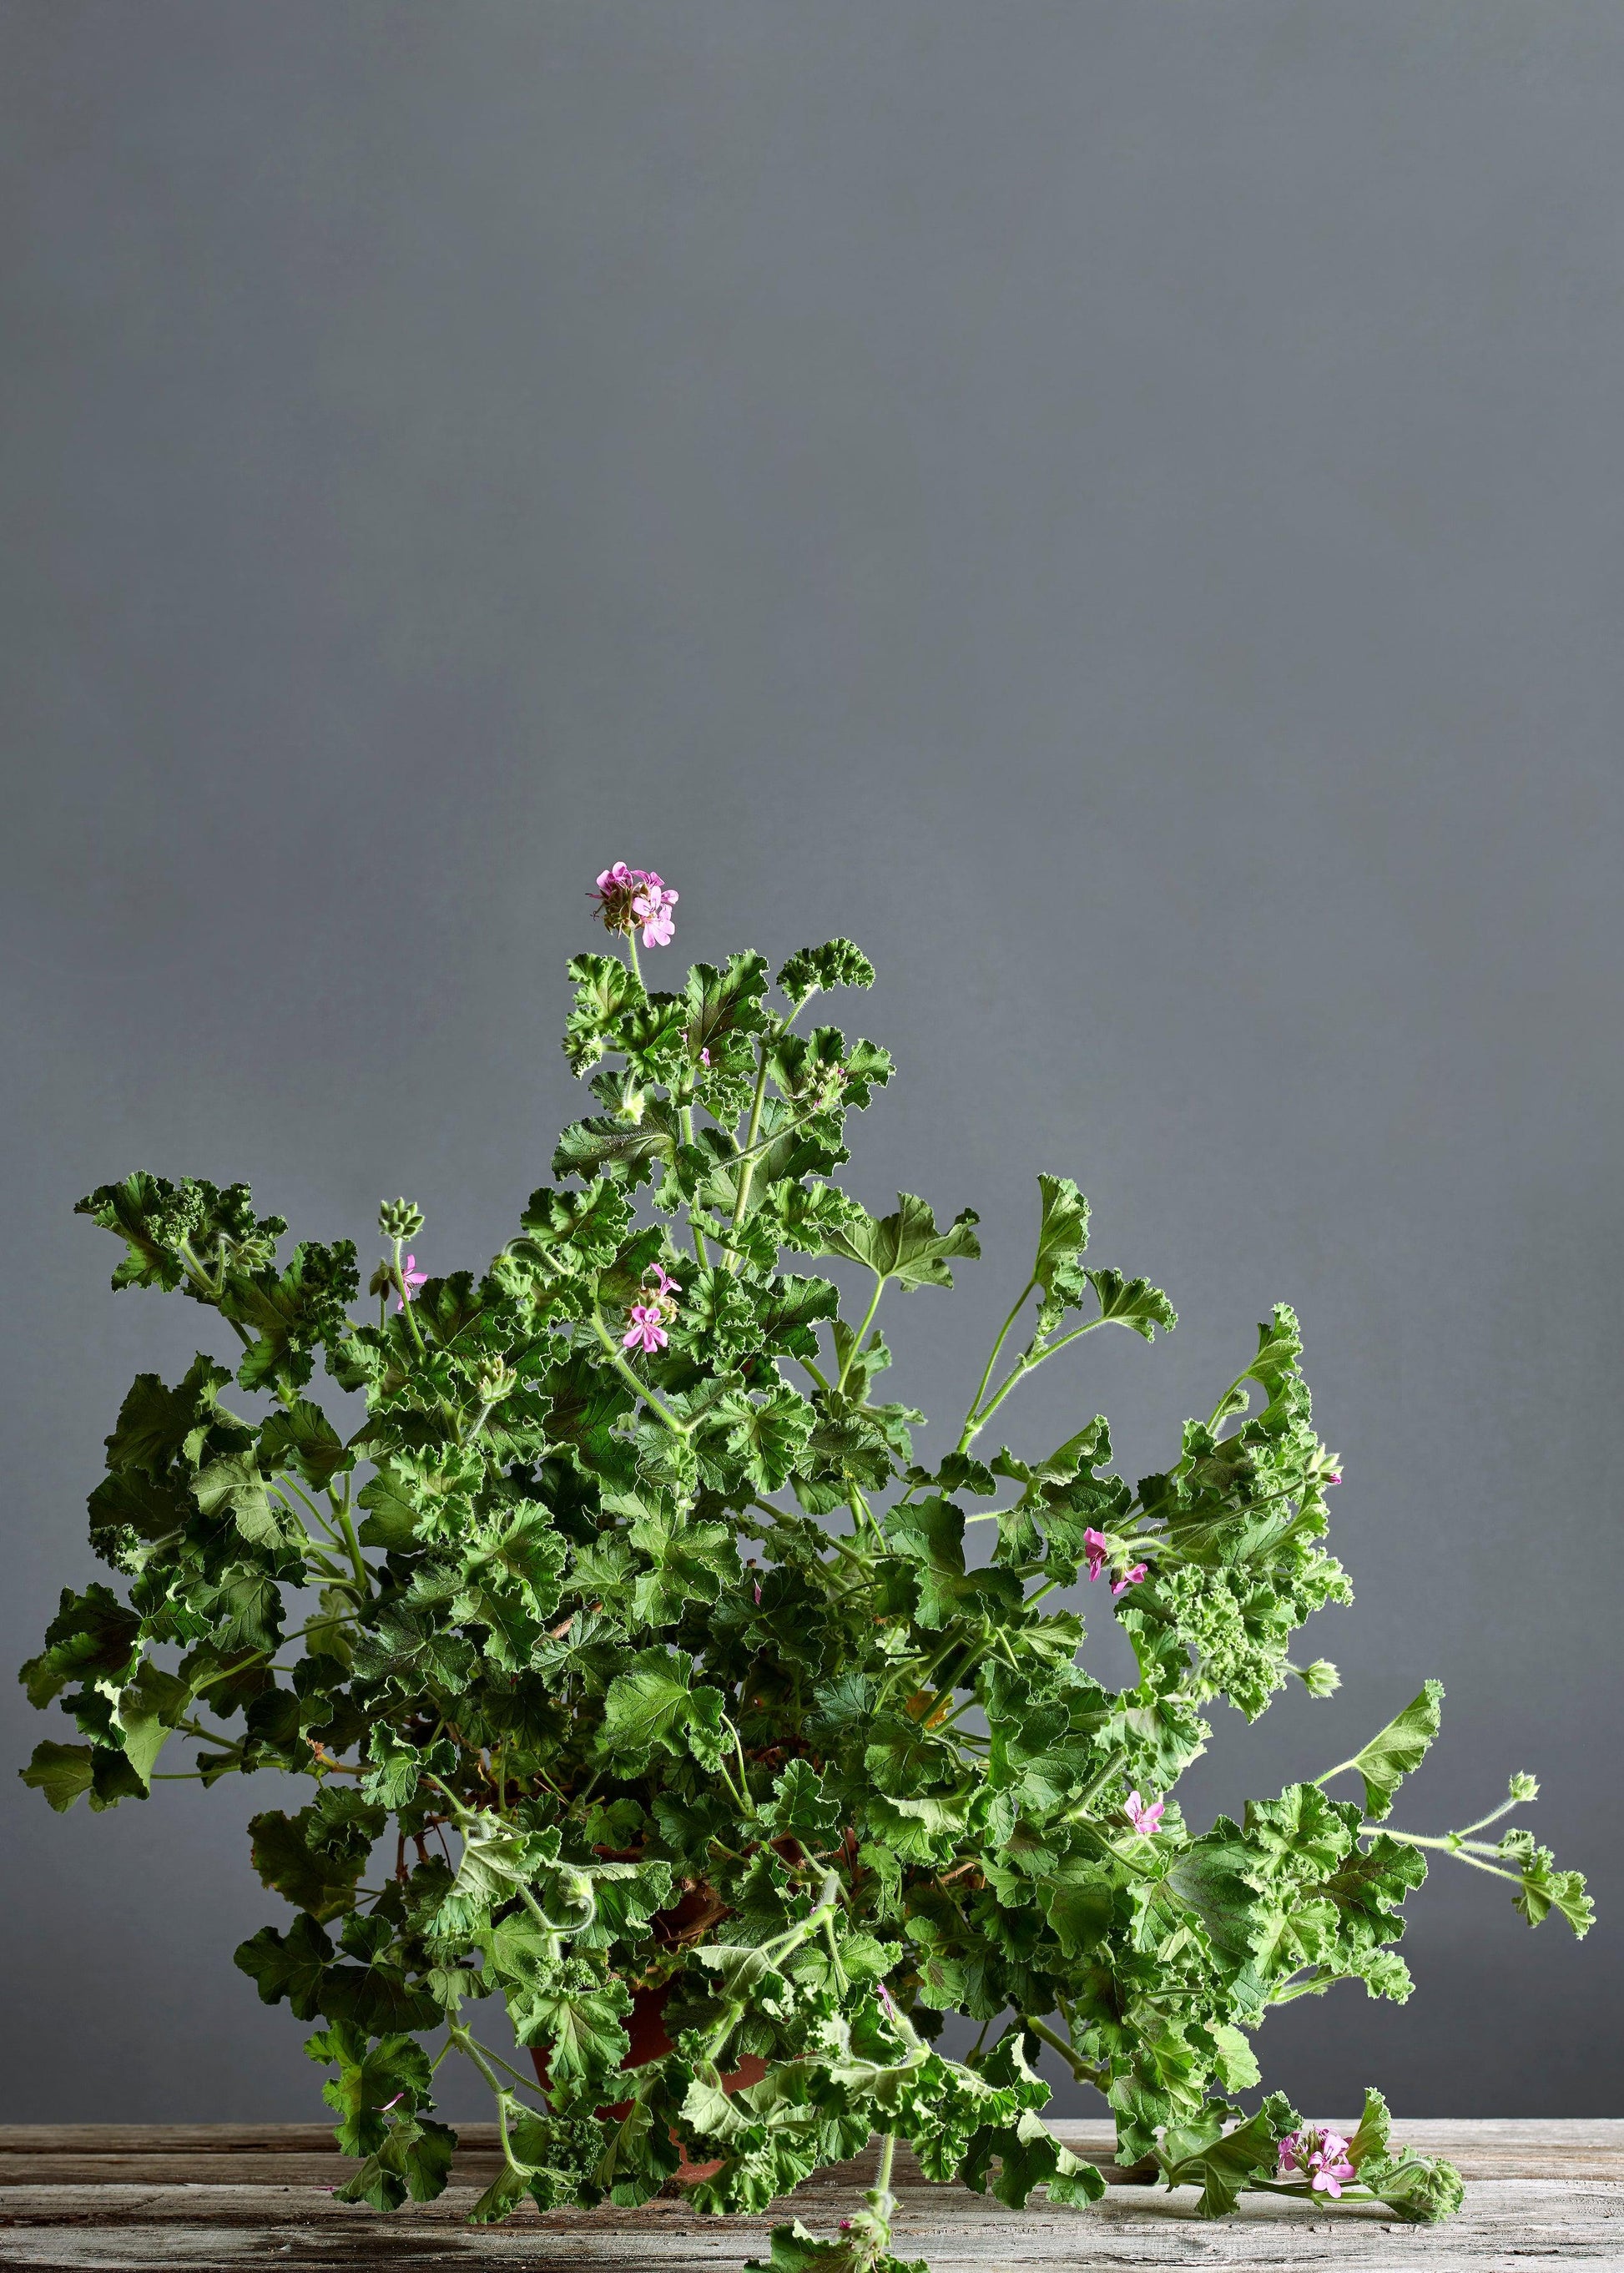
{"x": 644, "y": 1675}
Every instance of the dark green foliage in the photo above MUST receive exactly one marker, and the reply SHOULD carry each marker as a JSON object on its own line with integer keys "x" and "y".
{"x": 673, "y": 1673}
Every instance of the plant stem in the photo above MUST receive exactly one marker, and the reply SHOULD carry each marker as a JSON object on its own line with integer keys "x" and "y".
{"x": 1028, "y": 1362}
{"x": 677, "y": 1428}
{"x": 363, "y": 1576}
{"x": 1452, "y": 1847}
{"x": 1095, "y": 1785}
{"x": 1083, "y": 2070}
{"x": 880, "y": 2199}
{"x": 405, "y": 1294}
{"x": 703, "y": 1258}
{"x": 981, "y": 1386}
{"x": 857, "y": 1339}
{"x": 753, "y": 1129}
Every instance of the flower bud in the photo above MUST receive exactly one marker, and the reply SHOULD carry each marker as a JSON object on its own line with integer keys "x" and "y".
{"x": 494, "y": 1381}
{"x": 1524, "y": 1787}
{"x": 399, "y": 1218}
{"x": 1321, "y": 1677}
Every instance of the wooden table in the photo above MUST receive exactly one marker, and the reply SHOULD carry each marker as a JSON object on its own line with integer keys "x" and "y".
{"x": 191, "y": 2197}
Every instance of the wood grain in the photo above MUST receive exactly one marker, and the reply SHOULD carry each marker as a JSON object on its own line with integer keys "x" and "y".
{"x": 197, "y": 2197}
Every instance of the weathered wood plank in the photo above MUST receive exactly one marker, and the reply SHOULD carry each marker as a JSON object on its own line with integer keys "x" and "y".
{"x": 1505, "y": 2224}
{"x": 89, "y": 2153}
{"x": 217, "y": 2198}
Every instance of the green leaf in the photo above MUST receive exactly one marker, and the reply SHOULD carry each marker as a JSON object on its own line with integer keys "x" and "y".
{"x": 314, "y": 1859}
{"x": 814, "y": 970}
{"x": 1029, "y": 2155}
{"x": 413, "y": 2162}
{"x": 1062, "y": 1239}
{"x": 578, "y": 2020}
{"x": 572, "y": 1231}
{"x": 1420, "y": 2189}
{"x": 62, "y": 1772}
{"x": 860, "y": 2249}
{"x": 906, "y": 1245}
{"x": 158, "y": 1426}
{"x": 303, "y": 1438}
{"x": 233, "y": 1487}
{"x": 625, "y": 1152}
{"x": 1132, "y": 1302}
{"x": 800, "y": 1807}
{"x": 1222, "y": 2162}
{"x": 1397, "y": 1751}
{"x": 392, "y": 1517}
{"x": 605, "y": 989}
{"x": 292, "y": 1311}
{"x": 371, "y": 2079}
{"x": 93, "y": 1638}
{"x": 1545, "y": 1888}
{"x": 762, "y": 1435}
{"x": 497, "y": 1860}
{"x": 135, "y": 1211}
{"x": 650, "y": 1707}
{"x": 291, "y": 1965}
{"x": 722, "y": 1003}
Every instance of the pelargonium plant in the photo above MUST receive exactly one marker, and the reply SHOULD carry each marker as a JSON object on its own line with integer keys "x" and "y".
{"x": 642, "y": 1676}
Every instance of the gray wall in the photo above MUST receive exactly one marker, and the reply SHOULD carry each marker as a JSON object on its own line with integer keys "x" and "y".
{"x": 1115, "y": 507}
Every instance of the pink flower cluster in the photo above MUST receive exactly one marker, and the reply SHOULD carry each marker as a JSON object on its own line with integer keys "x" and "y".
{"x": 1320, "y": 2157}
{"x": 1097, "y": 1549}
{"x": 1144, "y": 1815}
{"x": 646, "y": 1320}
{"x": 412, "y": 1278}
{"x": 629, "y": 898}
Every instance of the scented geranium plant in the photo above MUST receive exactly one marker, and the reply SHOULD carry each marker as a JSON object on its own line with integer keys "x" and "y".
{"x": 640, "y": 1672}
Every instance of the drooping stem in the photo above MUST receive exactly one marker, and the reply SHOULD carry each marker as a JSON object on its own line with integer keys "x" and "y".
{"x": 1083, "y": 2070}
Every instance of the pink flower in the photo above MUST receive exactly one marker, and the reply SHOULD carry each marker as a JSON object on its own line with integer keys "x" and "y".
{"x": 1334, "y": 1477}
{"x": 627, "y": 897}
{"x": 704, "y": 1057}
{"x": 1144, "y": 1815}
{"x": 412, "y": 1278}
{"x": 613, "y": 881}
{"x": 1097, "y": 1551}
{"x": 1320, "y": 2156}
{"x": 664, "y": 1289}
{"x": 646, "y": 1331}
{"x": 652, "y": 907}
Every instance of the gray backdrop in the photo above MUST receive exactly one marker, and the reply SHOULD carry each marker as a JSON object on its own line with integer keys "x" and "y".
{"x": 1116, "y": 508}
